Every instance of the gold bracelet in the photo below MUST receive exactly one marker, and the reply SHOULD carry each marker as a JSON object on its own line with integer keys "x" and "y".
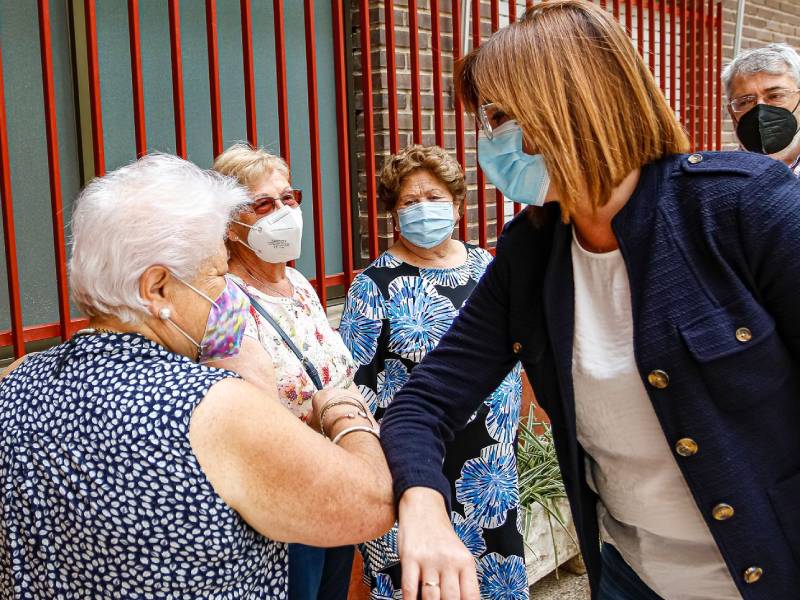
{"x": 340, "y": 402}
{"x": 353, "y": 429}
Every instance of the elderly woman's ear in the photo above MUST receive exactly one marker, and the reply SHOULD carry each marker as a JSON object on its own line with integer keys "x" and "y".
{"x": 152, "y": 288}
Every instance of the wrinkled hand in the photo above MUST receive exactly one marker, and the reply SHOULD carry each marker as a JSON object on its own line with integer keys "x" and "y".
{"x": 430, "y": 550}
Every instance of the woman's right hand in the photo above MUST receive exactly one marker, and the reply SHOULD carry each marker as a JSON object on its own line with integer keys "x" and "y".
{"x": 430, "y": 551}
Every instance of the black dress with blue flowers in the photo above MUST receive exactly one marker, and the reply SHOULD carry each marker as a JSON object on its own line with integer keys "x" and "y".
{"x": 394, "y": 315}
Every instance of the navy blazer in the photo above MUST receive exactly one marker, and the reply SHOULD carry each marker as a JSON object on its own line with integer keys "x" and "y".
{"x": 711, "y": 243}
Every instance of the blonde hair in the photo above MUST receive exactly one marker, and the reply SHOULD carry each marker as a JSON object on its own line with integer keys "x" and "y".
{"x": 585, "y": 100}
{"x": 247, "y": 164}
{"x": 429, "y": 158}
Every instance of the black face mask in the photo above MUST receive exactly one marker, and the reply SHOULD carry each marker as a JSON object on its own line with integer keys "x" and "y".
{"x": 766, "y": 129}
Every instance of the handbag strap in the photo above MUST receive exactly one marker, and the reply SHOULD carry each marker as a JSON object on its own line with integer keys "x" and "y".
{"x": 308, "y": 366}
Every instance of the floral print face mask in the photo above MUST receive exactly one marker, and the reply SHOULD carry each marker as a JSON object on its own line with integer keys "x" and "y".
{"x": 225, "y": 326}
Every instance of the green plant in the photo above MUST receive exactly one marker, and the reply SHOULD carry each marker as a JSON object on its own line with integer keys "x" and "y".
{"x": 539, "y": 474}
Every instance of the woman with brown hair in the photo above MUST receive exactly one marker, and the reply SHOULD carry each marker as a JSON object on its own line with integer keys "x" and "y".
{"x": 653, "y": 303}
{"x": 396, "y": 312}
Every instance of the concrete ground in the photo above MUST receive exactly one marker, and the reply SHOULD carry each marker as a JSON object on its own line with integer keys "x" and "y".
{"x": 566, "y": 587}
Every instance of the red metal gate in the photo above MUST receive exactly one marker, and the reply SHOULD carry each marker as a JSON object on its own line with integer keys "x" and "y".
{"x": 681, "y": 39}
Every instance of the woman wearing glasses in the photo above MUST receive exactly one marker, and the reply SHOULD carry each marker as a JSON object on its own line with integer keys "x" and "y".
{"x": 397, "y": 310}
{"x": 286, "y": 317}
{"x": 653, "y": 302}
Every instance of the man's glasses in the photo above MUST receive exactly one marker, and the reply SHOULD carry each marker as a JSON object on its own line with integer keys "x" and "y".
{"x": 266, "y": 204}
{"x": 781, "y": 97}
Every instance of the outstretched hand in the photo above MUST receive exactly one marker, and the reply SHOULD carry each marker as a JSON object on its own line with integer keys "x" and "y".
{"x": 433, "y": 559}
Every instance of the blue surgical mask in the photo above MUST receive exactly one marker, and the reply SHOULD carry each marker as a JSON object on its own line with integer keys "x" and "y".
{"x": 426, "y": 224}
{"x": 521, "y": 177}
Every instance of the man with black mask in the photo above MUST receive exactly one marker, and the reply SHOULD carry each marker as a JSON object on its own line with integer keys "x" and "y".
{"x": 763, "y": 98}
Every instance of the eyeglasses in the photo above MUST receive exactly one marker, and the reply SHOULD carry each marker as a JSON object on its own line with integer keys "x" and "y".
{"x": 266, "y": 204}
{"x": 490, "y": 116}
{"x": 780, "y": 97}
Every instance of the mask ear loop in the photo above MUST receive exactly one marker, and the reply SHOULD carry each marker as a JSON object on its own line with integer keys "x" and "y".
{"x": 165, "y": 314}
{"x": 241, "y": 241}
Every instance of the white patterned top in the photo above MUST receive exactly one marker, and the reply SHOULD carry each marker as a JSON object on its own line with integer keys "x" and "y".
{"x": 304, "y": 320}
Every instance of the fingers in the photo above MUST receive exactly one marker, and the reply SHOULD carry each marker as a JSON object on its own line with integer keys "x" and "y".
{"x": 468, "y": 580}
{"x": 449, "y": 586}
{"x": 410, "y": 582}
{"x": 430, "y": 584}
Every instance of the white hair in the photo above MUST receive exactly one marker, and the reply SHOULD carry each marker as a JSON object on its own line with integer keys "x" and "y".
{"x": 159, "y": 210}
{"x": 775, "y": 59}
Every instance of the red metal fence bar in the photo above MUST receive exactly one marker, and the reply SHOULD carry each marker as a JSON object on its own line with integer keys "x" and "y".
{"x": 249, "y": 72}
{"x": 615, "y": 9}
{"x": 700, "y": 74}
{"x": 512, "y": 11}
{"x": 640, "y": 27}
{"x": 719, "y": 96}
{"x": 436, "y": 56}
{"x": 455, "y": 11}
{"x": 481, "y": 183}
{"x": 391, "y": 76}
{"x": 213, "y": 76}
{"x": 413, "y": 36}
{"x": 54, "y": 171}
{"x": 343, "y": 139}
{"x": 280, "y": 76}
{"x": 9, "y": 230}
{"x": 684, "y": 45}
{"x": 499, "y": 201}
{"x": 316, "y": 168}
{"x": 662, "y": 46}
{"x": 139, "y": 125}
{"x": 629, "y": 18}
{"x": 369, "y": 129}
{"x": 692, "y": 96}
{"x": 651, "y": 34}
{"x": 711, "y": 73}
{"x": 95, "y": 103}
{"x": 673, "y": 54}
{"x": 176, "y": 62}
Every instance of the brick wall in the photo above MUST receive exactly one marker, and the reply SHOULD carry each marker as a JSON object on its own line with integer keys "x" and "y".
{"x": 766, "y": 21}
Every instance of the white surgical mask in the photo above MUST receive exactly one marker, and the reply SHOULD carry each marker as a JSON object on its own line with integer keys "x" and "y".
{"x": 276, "y": 237}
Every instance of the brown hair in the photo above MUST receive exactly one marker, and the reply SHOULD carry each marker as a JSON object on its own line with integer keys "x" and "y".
{"x": 585, "y": 100}
{"x": 247, "y": 164}
{"x": 430, "y": 158}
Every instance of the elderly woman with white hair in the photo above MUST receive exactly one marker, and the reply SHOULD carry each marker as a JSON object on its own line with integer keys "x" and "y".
{"x": 763, "y": 90}
{"x": 128, "y": 466}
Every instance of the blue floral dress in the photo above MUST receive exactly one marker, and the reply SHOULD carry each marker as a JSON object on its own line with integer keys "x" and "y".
{"x": 394, "y": 315}
{"x": 101, "y": 495}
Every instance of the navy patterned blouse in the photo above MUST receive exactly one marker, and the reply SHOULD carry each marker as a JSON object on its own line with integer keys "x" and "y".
{"x": 100, "y": 492}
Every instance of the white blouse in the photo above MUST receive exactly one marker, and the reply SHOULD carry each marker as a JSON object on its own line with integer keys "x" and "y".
{"x": 304, "y": 320}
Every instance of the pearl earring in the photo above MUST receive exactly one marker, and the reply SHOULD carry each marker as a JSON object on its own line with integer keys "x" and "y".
{"x": 164, "y": 314}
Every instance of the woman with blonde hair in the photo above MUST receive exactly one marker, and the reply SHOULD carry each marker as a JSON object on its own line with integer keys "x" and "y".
{"x": 288, "y": 321}
{"x": 653, "y": 303}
